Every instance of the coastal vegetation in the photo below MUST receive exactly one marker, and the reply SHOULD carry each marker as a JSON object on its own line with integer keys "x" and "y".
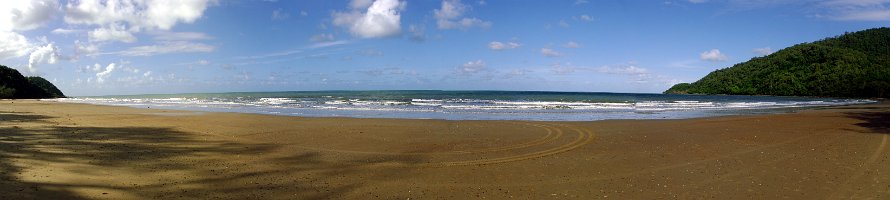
{"x": 15, "y": 86}
{"x": 850, "y": 65}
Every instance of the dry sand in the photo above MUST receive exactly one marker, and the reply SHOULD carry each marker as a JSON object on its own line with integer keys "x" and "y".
{"x": 54, "y": 150}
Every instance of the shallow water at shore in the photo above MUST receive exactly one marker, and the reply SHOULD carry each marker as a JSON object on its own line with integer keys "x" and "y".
{"x": 472, "y": 105}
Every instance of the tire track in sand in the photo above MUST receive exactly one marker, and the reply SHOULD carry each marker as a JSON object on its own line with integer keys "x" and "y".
{"x": 584, "y": 137}
{"x": 862, "y": 171}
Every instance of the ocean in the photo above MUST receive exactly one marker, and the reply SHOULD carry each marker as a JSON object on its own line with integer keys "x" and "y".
{"x": 472, "y": 105}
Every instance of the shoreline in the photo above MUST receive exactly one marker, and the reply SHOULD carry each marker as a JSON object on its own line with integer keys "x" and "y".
{"x": 84, "y": 151}
{"x": 690, "y": 113}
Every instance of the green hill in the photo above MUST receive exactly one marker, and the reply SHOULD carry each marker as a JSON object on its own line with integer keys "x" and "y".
{"x": 15, "y": 86}
{"x": 851, "y": 65}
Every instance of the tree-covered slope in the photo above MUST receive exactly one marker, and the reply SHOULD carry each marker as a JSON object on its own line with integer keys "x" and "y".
{"x": 15, "y": 86}
{"x": 851, "y": 65}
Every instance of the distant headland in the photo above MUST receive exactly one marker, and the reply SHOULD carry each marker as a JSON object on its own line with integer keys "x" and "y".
{"x": 850, "y": 65}
{"x": 15, "y": 86}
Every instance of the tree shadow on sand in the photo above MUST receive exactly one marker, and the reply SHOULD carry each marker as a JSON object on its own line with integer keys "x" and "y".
{"x": 878, "y": 122}
{"x": 178, "y": 164}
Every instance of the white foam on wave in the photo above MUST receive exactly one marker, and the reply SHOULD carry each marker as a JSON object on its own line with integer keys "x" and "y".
{"x": 332, "y": 105}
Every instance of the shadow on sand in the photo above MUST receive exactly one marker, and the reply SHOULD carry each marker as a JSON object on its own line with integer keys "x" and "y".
{"x": 878, "y": 122}
{"x": 174, "y": 164}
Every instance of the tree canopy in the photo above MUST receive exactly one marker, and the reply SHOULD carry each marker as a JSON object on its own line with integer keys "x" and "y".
{"x": 850, "y": 65}
{"x": 15, "y": 86}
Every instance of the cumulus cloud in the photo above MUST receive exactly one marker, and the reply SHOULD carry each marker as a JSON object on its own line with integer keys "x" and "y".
{"x": 14, "y": 45}
{"x": 449, "y": 16}
{"x": 85, "y": 48}
{"x": 113, "y": 32}
{"x": 372, "y": 20}
{"x": 471, "y": 67}
{"x": 102, "y": 76}
{"x": 550, "y": 52}
{"x": 572, "y": 45}
{"x": 119, "y": 19}
{"x": 585, "y": 18}
{"x": 713, "y": 55}
{"x": 497, "y": 46}
{"x": 763, "y": 51}
{"x": 48, "y": 54}
{"x": 23, "y": 15}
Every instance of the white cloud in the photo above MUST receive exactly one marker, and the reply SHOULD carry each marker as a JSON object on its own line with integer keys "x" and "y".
{"x": 165, "y": 48}
{"x": 763, "y": 51}
{"x": 22, "y": 15}
{"x": 104, "y": 75}
{"x": 381, "y": 19}
{"x": 624, "y": 69}
{"x": 572, "y": 44}
{"x": 857, "y": 10}
{"x": 63, "y": 31}
{"x": 713, "y": 55}
{"x": 13, "y": 45}
{"x": 112, "y": 32}
{"x": 585, "y": 18}
{"x": 179, "y": 36}
{"x": 322, "y": 37}
{"x": 84, "y": 48}
{"x": 550, "y": 52}
{"x": 557, "y": 68}
{"x": 48, "y": 54}
{"x": 119, "y": 19}
{"x": 471, "y": 67}
{"x": 279, "y": 14}
{"x": 841, "y": 10}
{"x": 304, "y": 13}
{"x": 497, "y": 46}
{"x": 449, "y": 16}
{"x": 872, "y": 15}
{"x": 360, "y": 4}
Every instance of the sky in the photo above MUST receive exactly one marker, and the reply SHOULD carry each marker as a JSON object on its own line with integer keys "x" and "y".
{"x": 118, "y": 47}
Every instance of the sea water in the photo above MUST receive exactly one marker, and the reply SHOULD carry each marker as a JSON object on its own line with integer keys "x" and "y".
{"x": 472, "y": 105}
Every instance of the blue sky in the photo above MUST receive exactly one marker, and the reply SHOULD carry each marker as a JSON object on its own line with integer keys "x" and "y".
{"x": 157, "y": 46}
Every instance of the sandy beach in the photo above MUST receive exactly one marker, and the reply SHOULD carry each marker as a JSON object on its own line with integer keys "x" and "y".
{"x": 51, "y": 150}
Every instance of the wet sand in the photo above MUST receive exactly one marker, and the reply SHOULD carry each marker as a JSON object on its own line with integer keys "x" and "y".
{"x": 51, "y": 150}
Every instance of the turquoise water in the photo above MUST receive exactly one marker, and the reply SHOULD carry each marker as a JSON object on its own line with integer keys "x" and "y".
{"x": 472, "y": 105}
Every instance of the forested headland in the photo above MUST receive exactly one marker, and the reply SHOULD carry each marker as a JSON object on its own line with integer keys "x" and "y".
{"x": 850, "y": 65}
{"x": 15, "y": 86}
